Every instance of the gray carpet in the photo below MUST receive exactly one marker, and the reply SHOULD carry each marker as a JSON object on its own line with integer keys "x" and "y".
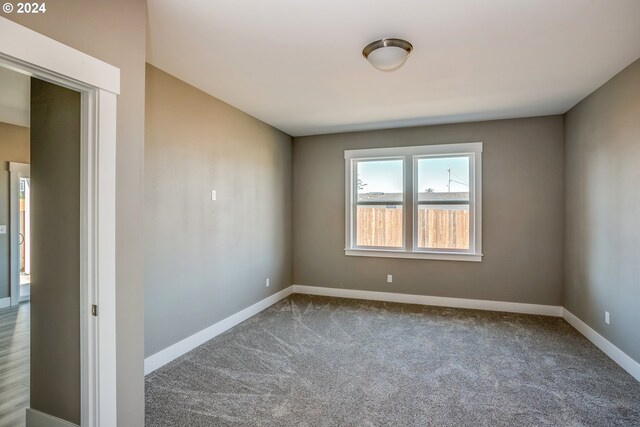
{"x": 316, "y": 361}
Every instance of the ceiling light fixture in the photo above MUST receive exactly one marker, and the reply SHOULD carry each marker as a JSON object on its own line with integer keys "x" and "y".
{"x": 387, "y": 54}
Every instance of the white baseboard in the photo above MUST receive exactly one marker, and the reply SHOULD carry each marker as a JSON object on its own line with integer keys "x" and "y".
{"x": 608, "y": 348}
{"x": 5, "y": 302}
{"x": 170, "y": 353}
{"x": 36, "y": 418}
{"x": 176, "y": 350}
{"x": 476, "y": 304}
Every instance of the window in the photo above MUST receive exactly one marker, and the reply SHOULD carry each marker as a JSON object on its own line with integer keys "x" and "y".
{"x": 414, "y": 202}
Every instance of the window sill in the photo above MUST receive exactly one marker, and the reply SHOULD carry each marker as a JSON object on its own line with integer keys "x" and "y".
{"x": 443, "y": 256}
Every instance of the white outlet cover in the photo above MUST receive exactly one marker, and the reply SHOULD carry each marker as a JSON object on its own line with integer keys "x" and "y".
{"x": 389, "y": 278}
{"x": 213, "y": 195}
{"x": 3, "y": 229}
{"x": 607, "y": 318}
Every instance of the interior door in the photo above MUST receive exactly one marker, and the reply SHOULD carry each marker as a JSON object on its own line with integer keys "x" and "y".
{"x": 55, "y": 250}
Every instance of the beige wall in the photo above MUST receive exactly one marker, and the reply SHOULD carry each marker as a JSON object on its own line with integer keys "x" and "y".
{"x": 204, "y": 259}
{"x": 602, "y": 171}
{"x": 14, "y": 147}
{"x": 115, "y": 32}
{"x": 522, "y": 215}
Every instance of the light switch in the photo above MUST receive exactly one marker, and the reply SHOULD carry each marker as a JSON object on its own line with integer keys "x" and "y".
{"x": 3, "y": 229}
{"x": 213, "y": 194}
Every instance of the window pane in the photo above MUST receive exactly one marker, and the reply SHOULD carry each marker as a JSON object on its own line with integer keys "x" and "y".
{"x": 379, "y": 226}
{"x": 443, "y": 196}
{"x": 379, "y": 180}
{"x": 379, "y": 216}
{"x": 443, "y": 227}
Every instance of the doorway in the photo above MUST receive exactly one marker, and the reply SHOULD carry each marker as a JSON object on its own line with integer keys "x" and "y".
{"x": 47, "y": 259}
{"x": 24, "y": 237}
{"x": 20, "y": 221}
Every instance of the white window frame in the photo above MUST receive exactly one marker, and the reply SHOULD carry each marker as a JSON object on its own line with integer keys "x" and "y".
{"x": 411, "y": 155}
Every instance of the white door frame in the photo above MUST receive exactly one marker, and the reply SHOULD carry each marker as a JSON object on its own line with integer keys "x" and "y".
{"x": 31, "y": 53}
{"x": 16, "y": 171}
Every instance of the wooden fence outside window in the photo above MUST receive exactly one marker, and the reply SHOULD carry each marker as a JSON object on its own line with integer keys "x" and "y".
{"x": 437, "y": 227}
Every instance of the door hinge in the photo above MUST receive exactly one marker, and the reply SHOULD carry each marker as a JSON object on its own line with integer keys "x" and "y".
{"x": 94, "y": 310}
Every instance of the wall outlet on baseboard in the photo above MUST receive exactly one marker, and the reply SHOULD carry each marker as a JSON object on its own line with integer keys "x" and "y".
{"x": 389, "y": 278}
{"x": 267, "y": 282}
{"x": 607, "y": 319}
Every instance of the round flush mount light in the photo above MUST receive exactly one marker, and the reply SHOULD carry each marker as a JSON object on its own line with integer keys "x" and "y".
{"x": 387, "y": 54}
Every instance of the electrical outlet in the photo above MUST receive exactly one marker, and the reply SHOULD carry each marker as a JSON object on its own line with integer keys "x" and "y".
{"x": 607, "y": 318}
{"x": 267, "y": 282}
{"x": 213, "y": 195}
{"x": 389, "y": 278}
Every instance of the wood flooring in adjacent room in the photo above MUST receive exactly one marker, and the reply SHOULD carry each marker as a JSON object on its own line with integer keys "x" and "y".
{"x": 319, "y": 361}
{"x": 14, "y": 365}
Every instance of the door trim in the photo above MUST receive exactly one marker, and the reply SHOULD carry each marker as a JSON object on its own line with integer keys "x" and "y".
{"x": 34, "y": 54}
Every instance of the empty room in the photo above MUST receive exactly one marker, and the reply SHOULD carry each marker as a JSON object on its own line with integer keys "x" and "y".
{"x": 336, "y": 213}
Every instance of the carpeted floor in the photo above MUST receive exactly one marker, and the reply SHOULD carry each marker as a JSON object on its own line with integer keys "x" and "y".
{"x": 317, "y": 361}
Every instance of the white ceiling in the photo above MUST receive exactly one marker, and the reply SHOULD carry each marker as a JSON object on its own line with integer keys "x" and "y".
{"x": 15, "y": 97}
{"x": 297, "y": 64}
